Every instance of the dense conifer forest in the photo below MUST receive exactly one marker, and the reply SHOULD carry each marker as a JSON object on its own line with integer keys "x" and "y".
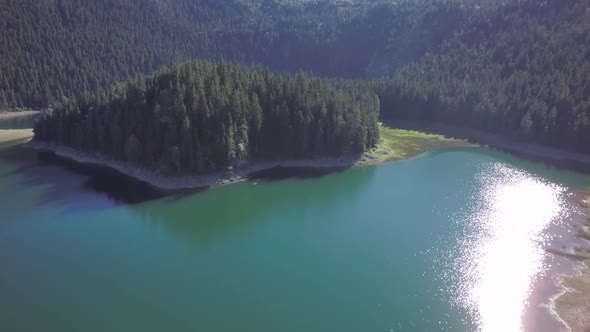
{"x": 519, "y": 68}
{"x": 200, "y": 116}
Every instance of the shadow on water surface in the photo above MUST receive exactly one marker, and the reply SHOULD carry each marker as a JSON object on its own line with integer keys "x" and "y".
{"x": 285, "y": 173}
{"x": 120, "y": 188}
{"x": 204, "y": 219}
{"x": 67, "y": 179}
{"x": 64, "y": 177}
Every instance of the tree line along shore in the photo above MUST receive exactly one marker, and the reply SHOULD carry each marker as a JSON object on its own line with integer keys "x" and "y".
{"x": 201, "y": 117}
{"x": 395, "y": 145}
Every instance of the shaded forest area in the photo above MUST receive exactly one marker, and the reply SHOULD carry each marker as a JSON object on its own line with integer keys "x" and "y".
{"x": 521, "y": 70}
{"x": 516, "y": 68}
{"x": 56, "y": 48}
{"x": 201, "y": 116}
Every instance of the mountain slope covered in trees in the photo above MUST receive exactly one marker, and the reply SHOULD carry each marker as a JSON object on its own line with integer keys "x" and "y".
{"x": 199, "y": 117}
{"x": 519, "y": 68}
{"x": 55, "y": 48}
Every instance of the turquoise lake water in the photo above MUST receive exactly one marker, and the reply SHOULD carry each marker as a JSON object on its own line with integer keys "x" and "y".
{"x": 451, "y": 241}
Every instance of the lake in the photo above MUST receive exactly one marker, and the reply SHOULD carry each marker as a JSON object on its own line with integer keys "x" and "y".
{"x": 451, "y": 241}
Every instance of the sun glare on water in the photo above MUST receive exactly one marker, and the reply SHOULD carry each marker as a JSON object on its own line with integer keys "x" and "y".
{"x": 503, "y": 251}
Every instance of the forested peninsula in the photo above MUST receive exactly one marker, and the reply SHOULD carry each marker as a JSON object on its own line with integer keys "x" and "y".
{"x": 517, "y": 69}
{"x": 202, "y": 117}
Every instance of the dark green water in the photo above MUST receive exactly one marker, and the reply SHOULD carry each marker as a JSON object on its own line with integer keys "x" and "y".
{"x": 410, "y": 246}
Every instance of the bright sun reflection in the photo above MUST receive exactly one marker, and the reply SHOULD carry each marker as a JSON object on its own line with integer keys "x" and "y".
{"x": 503, "y": 253}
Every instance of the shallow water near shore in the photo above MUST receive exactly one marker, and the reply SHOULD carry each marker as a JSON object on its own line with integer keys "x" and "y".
{"x": 451, "y": 241}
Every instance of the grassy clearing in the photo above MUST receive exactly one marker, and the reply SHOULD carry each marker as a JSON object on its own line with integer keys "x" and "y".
{"x": 398, "y": 144}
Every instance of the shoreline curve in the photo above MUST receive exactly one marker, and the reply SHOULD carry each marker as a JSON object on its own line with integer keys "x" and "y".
{"x": 572, "y": 304}
{"x": 187, "y": 182}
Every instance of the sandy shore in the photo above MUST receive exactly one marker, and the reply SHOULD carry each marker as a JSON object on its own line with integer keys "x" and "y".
{"x": 180, "y": 182}
{"x": 10, "y": 115}
{"x": 572, "y": 305}
{"x": 9, "y": 135}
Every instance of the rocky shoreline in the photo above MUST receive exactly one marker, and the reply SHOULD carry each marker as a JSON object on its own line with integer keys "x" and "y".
{"x": 385, "y": 152}
{"x": 160, "y": 181}
{"x": 184, "y": 182}
{"x": 572, "y": 304}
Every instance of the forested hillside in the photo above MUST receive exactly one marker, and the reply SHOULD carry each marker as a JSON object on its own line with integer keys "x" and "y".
{"x": 200, "y": 116}
{"x": 55, "y": 48}
{"x": 520, "y": 68}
